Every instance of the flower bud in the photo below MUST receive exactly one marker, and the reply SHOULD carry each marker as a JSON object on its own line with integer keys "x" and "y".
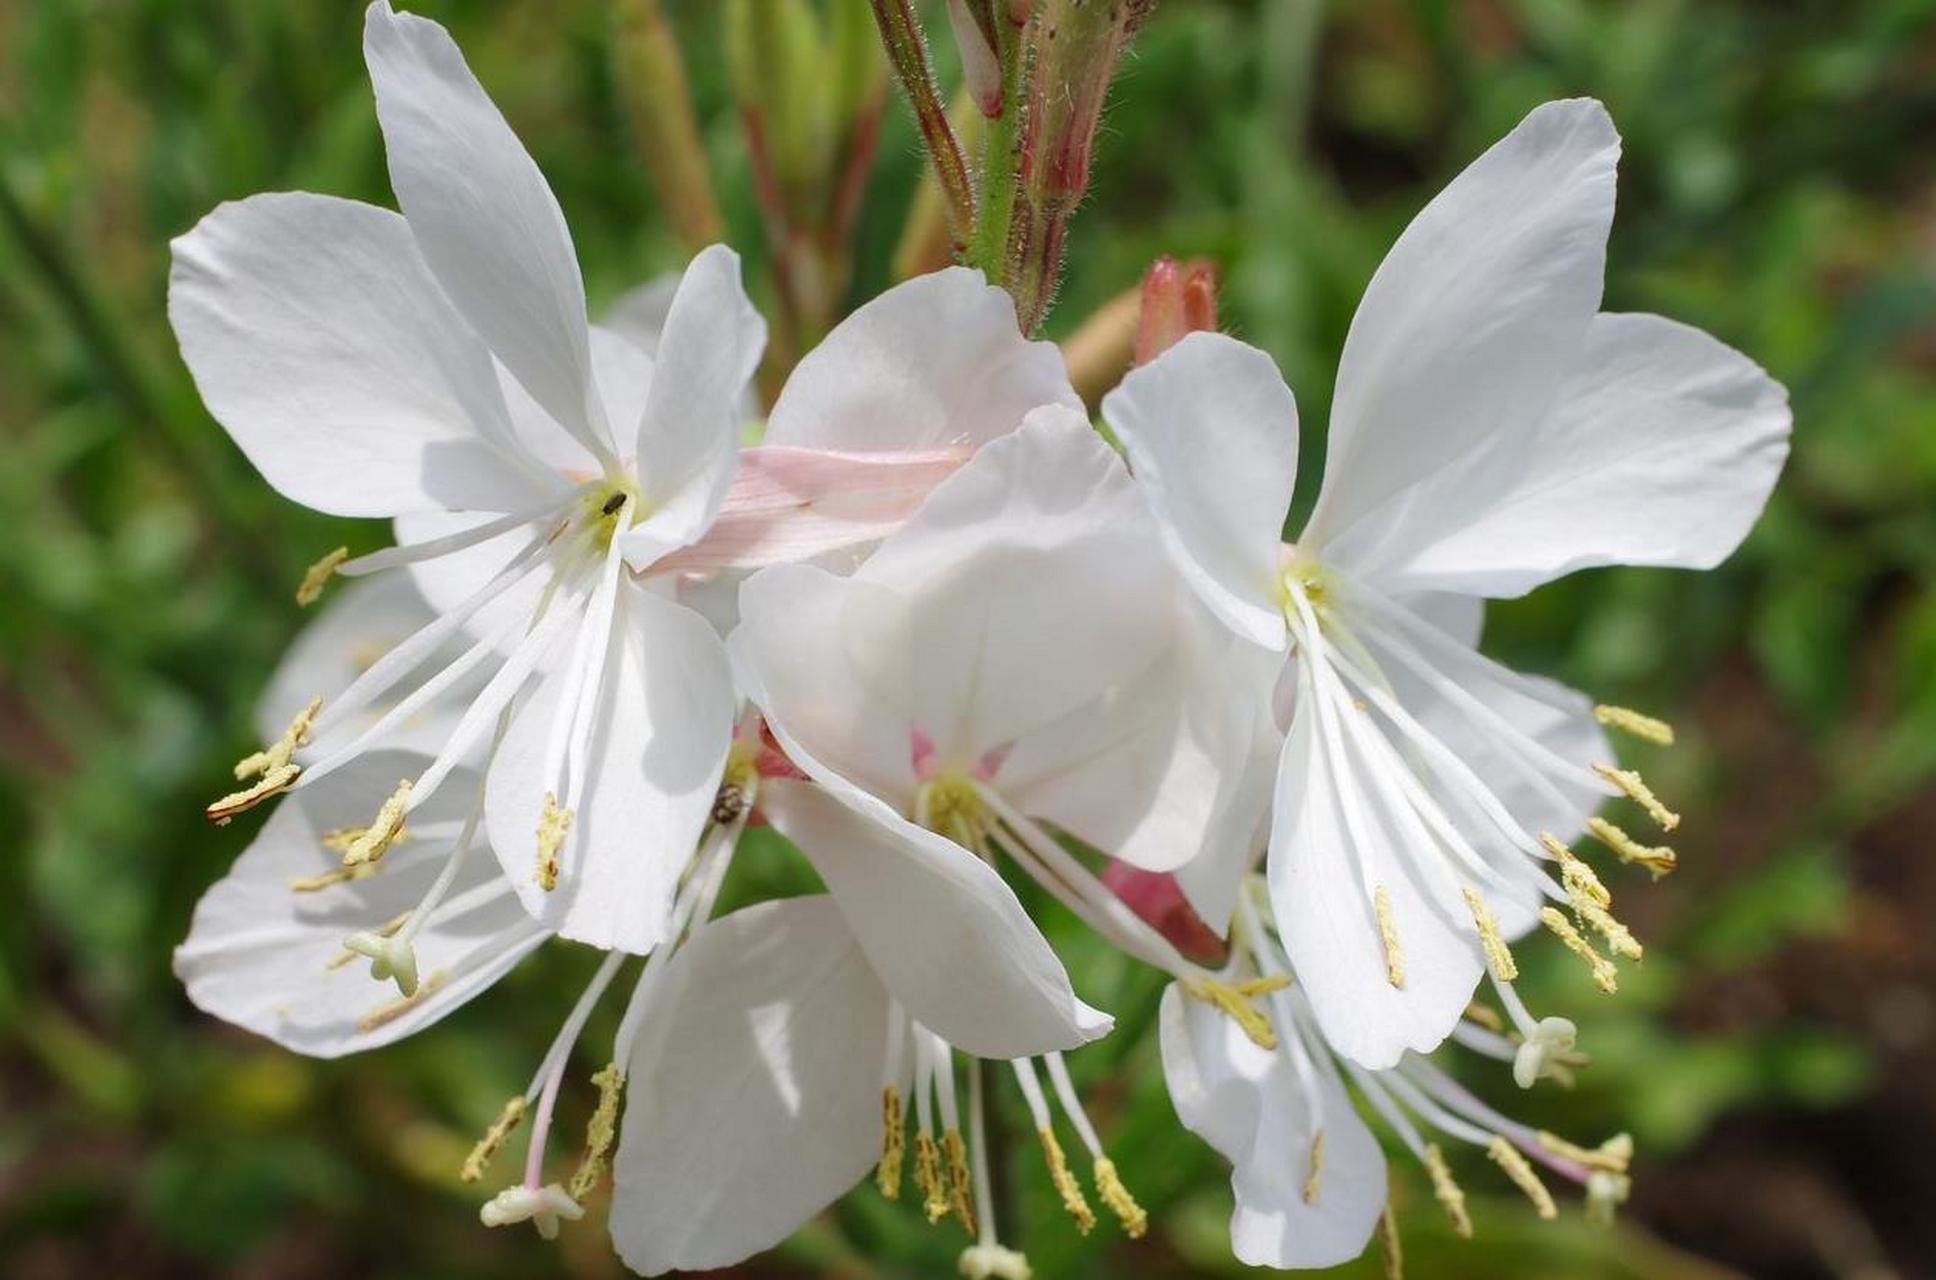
{"x": 979, "y": 65}
{"x": 1178, "y": 298}
{"x": 1158, "y": 900}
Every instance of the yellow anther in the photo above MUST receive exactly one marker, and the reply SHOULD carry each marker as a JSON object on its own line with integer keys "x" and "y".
{"x": 1388, "y": 1246}
{"x": 949, "y": 805}
{"x": 553, "y": 823}
{"x": 1109, "y": 1186}
{"x": 1516, "y": 1167}
{"x": 887, "y": 1174}
{"x": 1499, "y": 957}
{"x": 283, "y": 749}
{"x": 1659, "y": 859}
{"x": 960, "y": 1194}
{"x": 1314, "y": 1170}
{"x": 1620, "y": 939}
{"x": 1578, "y": 878}
{"x": 1065, "y": 1182}
{"x": 1636, "y": 789}
{"x": 1640, "y": 726}
{"x": 1233, "y": 1000}
{"x": 493, "y": 1140}
{"x": 927, "y": 1177}
{"x": 384, "y": 1014}
{"x": 376, "y": 839}
{"x": 271, "y": 783}
{"x": 1605, "y": 976}
{"x": 339, "y": 839}
{"x": 1613, "y": 1155}
{"x": 1446, "y": 1190}
{"x": 329, "y": 879}
{"x": 1388, "y": 937}
{"x": 600, "y": 1131}
{"x": 317, "y": 576}
{"x": 1486, "y": 1016}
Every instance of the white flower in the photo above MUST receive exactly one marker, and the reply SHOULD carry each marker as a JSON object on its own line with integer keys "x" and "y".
{"x": 1308, "y": 1177}
{"x": 1017, "y": 653}
{"x": 1491, "y": 430}
{"x": 780, "y": 1069}
{"x": 558, "y": 492}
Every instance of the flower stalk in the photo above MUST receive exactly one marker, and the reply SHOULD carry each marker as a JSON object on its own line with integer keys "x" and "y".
{"x": 907, "y": 53}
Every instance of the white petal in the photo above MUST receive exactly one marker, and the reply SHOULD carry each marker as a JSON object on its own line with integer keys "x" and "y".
{"x": 665, "y": 721}
{"x": 357, "y": 626}
{"x": 1033, "y": 586}
{"x": 1148, "y": 772}
{"x": 1661, "y": 450}
{"x": 932, "y": 363}
{"x": 829, "y": 662}
{"x": 755, "y": 1096}
{"x": 688, "y": 432}
{"x": 1248, "y": 1103}
{"x": 1325, "y": 908}
{"x": 639, "y": 314}
{"x": 1211, "y": 880}
{"x": 1471, "y": 322}
{"x": 267, "y": 958}
{"x": 483, "y": 216}
{"x": 1211, "y": 431}
{"x": 319, "y": 340}
{"x": 945, "y": 933}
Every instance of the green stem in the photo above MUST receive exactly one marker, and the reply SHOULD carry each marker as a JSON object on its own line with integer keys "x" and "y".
{"x": 1000, "y": 153}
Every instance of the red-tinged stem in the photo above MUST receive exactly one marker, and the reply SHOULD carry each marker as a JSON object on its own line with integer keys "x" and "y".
{"x": 907, "y": 53}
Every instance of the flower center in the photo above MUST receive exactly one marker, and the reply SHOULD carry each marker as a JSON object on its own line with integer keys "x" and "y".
{"x": 949, "y": 804}
{"x": 601, "y": 507}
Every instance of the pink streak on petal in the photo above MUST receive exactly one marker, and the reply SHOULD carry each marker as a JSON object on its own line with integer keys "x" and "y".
{"x": 1156, "y": 897}
{"x": 921, "y": 754}
{"x": 791, "y": 504}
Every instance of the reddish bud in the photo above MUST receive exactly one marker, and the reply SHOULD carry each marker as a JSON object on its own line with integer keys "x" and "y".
{"x": 1178, "y": 298}
{"x": 979, "y": 66}
{"x": 1158, "y": 900}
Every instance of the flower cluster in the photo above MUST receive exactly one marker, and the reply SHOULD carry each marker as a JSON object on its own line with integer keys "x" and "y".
{"x": 932, "y": 627}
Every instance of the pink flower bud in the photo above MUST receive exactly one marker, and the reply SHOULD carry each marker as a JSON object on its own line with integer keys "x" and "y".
{"x": 1178, "y": 298}
{"x": 1158, "y": 900}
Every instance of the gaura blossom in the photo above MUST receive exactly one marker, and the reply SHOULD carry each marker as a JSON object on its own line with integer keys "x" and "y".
{"x": 556, "y": 490}
{"x": 1308, "y": 1177}
{"x": 1491, "y": 430}
{"x": 1018, "y": 654}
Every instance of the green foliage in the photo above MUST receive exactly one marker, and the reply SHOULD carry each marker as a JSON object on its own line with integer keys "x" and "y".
{"x": 1774, "y": 191}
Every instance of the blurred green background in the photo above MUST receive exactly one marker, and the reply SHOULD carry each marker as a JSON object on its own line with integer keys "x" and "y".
{"x": 1775, "y": 1056}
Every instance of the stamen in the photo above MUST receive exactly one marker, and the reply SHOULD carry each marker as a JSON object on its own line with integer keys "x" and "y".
{"x": 1605, "y": 976}
{"x": 1388, "y": 936}
{"x": 887, "y": 1174}
{"x": 329, "y": 879}
{"x": 1064, "y": 1182}
{"x": 1487, "y": 1016}
{"x": 1644, "y": 727}
{"x": 273, "y": 782}
{"x": 600, "y": 1131}
{"x": 493, "y": 1140}
{"x": 1659, "y": 859}
{"x": 542, "y": 1207}
{"x": 278, "y": 753}
{"x": 382, "y": 831}
{"x": 1109, "y": 1186}
{"x": 1388, "y": 1245}
{"x": 1446, "y": 1190}
{"x": 1499, "y": 957}
{"x": 1613, "y": 1155}
{"x": 317, "y": 576}
{"x": 1577, "y": 877}
{"x": 927, "y": 1176}
{"x": 955, "y": 1151}
{"x": 1637, "y": 790}
{"x": 1233, "y": 1000}
{"x": 1516, "y": 1167}
{"x": 384, "y": 1014}
{"x": 1619, "y": 938}
{"x": 1314, "y": 1172}
{"x": 553, "y": 823}
{"x": 339, "y": 839}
